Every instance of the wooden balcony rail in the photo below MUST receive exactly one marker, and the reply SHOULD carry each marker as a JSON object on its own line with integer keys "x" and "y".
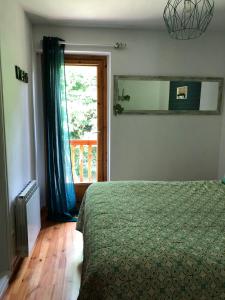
{"x": 81, "y": 144}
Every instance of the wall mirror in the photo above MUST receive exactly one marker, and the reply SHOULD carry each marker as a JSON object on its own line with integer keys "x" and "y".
{"x": 167, "y": 95}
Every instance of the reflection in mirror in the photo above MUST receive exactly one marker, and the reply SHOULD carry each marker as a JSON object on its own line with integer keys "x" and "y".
{"x": 167, "y": 95}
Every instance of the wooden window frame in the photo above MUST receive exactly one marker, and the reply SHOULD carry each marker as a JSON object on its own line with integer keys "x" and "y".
{"x": 101, "y": 63}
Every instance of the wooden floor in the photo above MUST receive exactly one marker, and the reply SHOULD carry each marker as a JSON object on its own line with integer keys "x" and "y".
{"x": 53, "y": 271}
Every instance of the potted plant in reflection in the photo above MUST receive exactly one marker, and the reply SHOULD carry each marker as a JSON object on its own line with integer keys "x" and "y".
{"x": 118, "y": 109}
{"x": 123, "y": 97}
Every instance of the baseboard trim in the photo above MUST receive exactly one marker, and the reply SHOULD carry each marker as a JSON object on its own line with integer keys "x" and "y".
{"x": 4, "y": 282}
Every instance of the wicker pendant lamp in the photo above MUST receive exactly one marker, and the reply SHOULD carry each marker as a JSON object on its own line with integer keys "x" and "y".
{"x": 188, "y": 19}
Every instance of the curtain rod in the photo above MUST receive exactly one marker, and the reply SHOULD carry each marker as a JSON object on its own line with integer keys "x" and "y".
{"x": 117, "y": 45}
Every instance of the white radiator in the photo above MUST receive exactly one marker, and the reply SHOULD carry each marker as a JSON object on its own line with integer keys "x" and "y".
{"x": 28, "y": 219}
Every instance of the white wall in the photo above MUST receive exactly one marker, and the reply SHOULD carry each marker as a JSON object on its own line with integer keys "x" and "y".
{"x": 4, "y": 212}
{"x": 209, "y": 96}
{"x": 16, "y": 49}
{"x": 158, "y": 147}
{"x": 222, "y": 151}
{"x": 40, "y": 131}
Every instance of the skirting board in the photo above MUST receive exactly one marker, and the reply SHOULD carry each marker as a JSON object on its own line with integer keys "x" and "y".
{"x": 4, "y": 281}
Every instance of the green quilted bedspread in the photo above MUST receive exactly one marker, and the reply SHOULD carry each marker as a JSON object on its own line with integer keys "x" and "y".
{"x": 146, "y": 240}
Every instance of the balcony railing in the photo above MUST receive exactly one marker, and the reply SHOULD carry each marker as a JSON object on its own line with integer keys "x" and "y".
{"x": 83, "y": 158}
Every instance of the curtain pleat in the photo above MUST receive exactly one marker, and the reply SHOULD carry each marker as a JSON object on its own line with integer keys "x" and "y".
{"x": 61, "y": 194}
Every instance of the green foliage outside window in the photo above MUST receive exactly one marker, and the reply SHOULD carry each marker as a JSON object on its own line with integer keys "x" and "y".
{"x": 81, "y": 92}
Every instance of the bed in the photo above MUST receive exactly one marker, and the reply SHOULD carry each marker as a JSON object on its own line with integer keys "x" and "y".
{"x": 153, "y": 240}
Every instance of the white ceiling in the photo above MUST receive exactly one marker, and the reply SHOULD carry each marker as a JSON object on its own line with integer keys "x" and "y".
{"x": 108, "y": 13}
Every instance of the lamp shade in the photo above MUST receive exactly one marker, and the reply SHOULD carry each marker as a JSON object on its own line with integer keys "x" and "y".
{"x": 188, "y": 19}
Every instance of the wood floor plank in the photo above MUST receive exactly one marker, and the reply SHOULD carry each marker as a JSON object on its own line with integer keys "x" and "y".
{"x": 53, "y": 270}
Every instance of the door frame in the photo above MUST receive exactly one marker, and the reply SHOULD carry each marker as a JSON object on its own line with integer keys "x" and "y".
{"x": 101, "y": 62}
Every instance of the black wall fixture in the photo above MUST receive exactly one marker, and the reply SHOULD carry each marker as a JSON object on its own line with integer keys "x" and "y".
{"x": 21, "y": 75}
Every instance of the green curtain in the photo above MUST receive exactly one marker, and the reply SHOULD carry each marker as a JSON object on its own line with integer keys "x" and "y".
{"x": 61, "y": 199}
